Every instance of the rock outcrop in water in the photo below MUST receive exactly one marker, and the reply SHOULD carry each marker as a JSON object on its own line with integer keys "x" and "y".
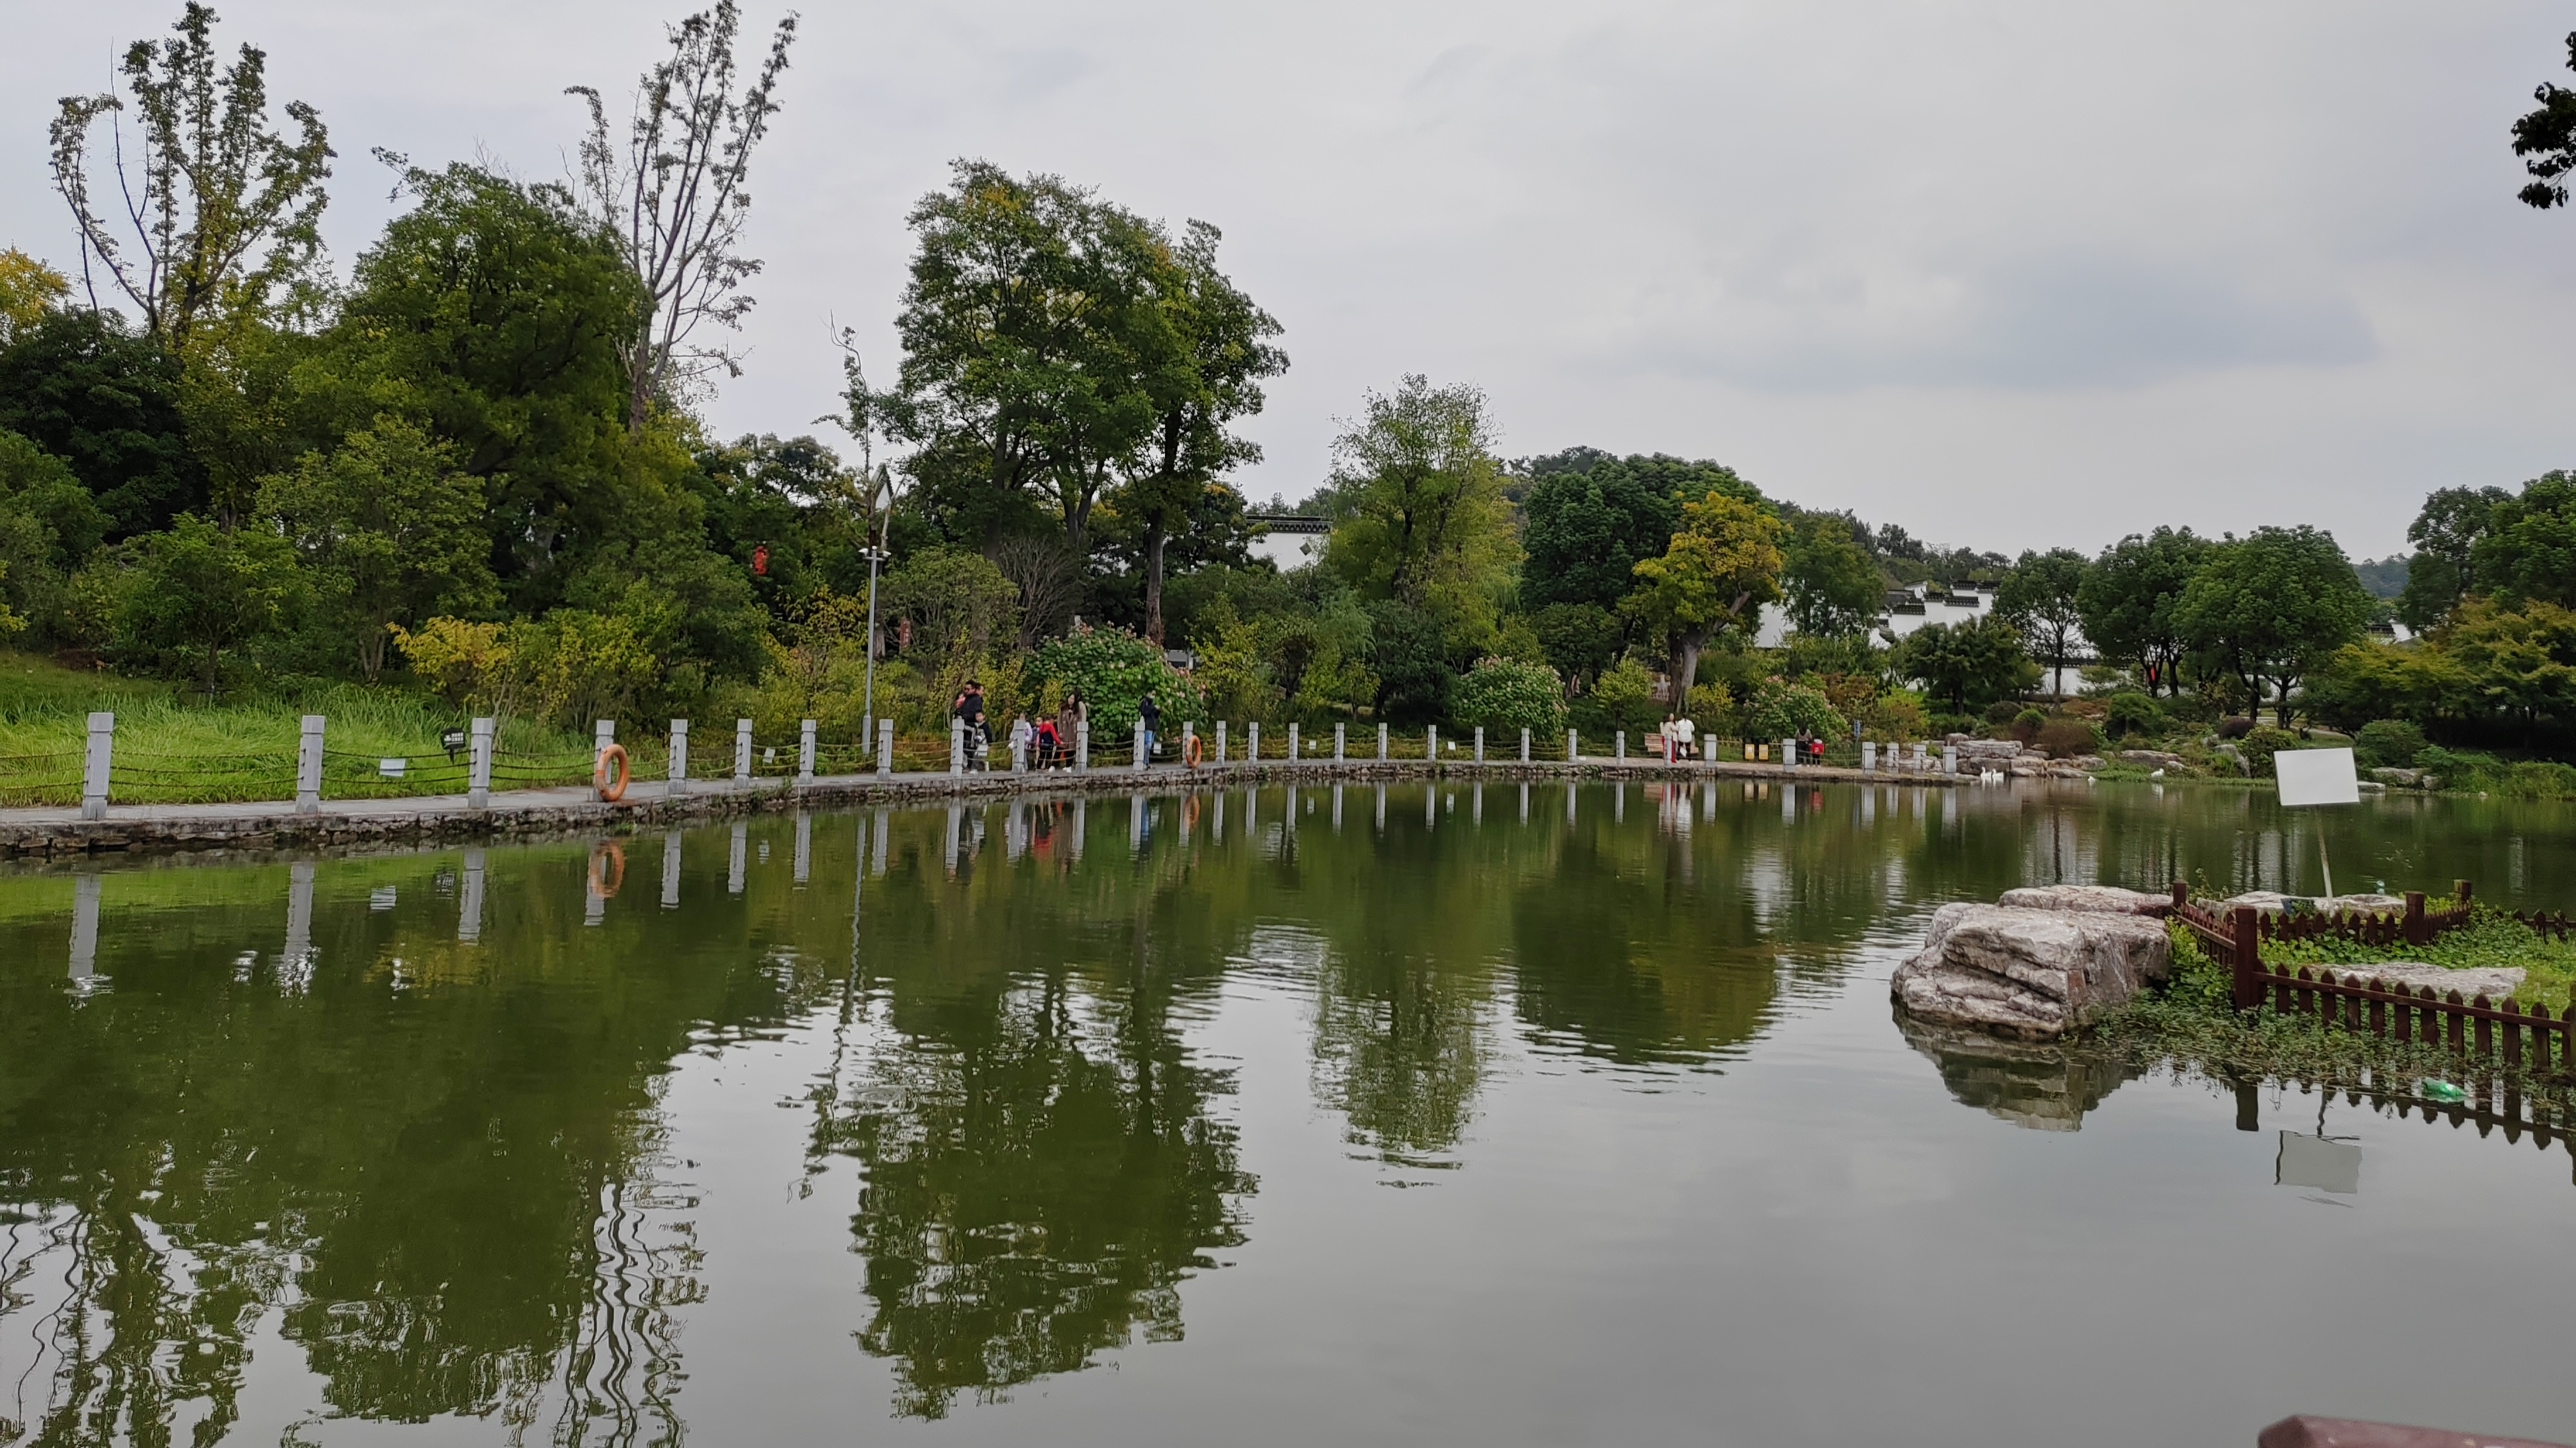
{"x": 2098, "y": 899}
{"x": 2030, "y": 974}
{"x": 2038, "y": 1085}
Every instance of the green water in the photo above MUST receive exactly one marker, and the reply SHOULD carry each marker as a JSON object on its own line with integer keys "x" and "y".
{"x": 1480, "y": 1116}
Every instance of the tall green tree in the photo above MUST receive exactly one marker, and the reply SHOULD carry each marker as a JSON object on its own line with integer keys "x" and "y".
{"x": 2528, "y": 549}
{"x": 1834, "y": 589}
{"x": 1966, "y": 664}
{"x": 1724, "y": 560}
{"x": 1208, "y": 380}
{"x": 222, "y": 209}
{"x": 197, "y": 595}
{"x": 391, "y": 530}
{"x": 1033, "y": 340}
{"x": 2128, "y": 597}
{"x": 87, "y": 388}
{"x": 2443, "y": 570}
{"x": 2273, "y": 606}
{"x": 1585, "y": 532}
{"x": 2042, "y": 597}
{"x": 2545, "y": 137}
{"x": 1419, "y": 514}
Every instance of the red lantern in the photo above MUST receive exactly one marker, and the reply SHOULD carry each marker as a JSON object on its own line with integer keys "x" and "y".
{"x": 760, "y": 561}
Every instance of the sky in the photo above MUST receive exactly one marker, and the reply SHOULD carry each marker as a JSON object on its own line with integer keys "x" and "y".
{"x": 2009, "y": 275}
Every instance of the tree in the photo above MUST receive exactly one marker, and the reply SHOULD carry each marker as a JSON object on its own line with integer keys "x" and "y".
{"x": 2273, "y": 606}
{"x": 2546, "y": 139}
{"x": 493, "y": 314}
{"x": 1419, "y": 514}
{"x": 85, "y": 387}
{"x": 1585, "y": 533}
{"x": 2040, "y": 596}
{"x": 676, "y": 197}
{"x": 48, "y": 527}
{"x": 1580, "y": 639}
{"x": 2443, "y": 569}
{"x": 196, "y": 594}
{"x": 2528, "y": 549}
{"x": 28, "y": 290}
{"x": 2127, "y": 599}
{"x": 1211, "y": 377}
{"x": 224, "y": 210}
{"x": 1969, "y": 664}
{"x": 393, "y": 526}
{"x": 1834, "y": 589}
{"x": 1504, "y": 696}
{"x": 1725, "y": 559}
{"x": 1033, "y": 341}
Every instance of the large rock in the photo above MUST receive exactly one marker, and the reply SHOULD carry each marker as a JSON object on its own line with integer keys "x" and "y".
{"x": 2099, "y": 899}
{"x": 2273, "y": 902}
{"x": 2031, "y": 975}
{"x": 2496, "y": 983}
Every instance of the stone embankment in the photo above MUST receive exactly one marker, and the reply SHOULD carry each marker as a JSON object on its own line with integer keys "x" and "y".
{"x": 550, "y": 812}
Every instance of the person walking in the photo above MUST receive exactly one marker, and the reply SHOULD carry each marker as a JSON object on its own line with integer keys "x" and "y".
{"x": 1685, "y": 734}
{"x": 970, "y": 709}
{"x": 1152, "y": 714}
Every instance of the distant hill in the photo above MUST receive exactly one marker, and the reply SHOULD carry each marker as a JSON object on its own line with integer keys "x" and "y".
{"x": 2384, "y": 577}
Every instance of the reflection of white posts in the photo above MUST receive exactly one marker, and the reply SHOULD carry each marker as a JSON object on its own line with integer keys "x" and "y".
{"x": 469, "y": 904}
{"x": 85, "y": 927}
{"x": 1082, "y": 747}
{"x": 1381, "y": 744}
{"x": 679, "y": 784}
{"x": 804, "y": 848}
{"x": 1139, "y": 743}
{"x": 293, "y": 968}
{"x": 1341, "y": 742}
{"x": 671, "y": 870}
{"x": 956, "y": 746}
{"x": 1381, "y": 809}
{"x": 1135, "y": 825}
{"x": 885, "y": 749}
{"x": 1081, "y": 825}
{"x": 948, "y": 849}
{"x": 741, "y": 858}
{"x": 1525, "y": 746}
{"x": 478, "y": 768}
{"x": 97, "y": 766}
{"x": 1337, "y": 808}
{"x": 805, "y": 755}
{"x": 742, "y": 754}
{"x": 1480, "y": 744}
{"x": 877, "y": 855}
{"x": 308, "y": 766}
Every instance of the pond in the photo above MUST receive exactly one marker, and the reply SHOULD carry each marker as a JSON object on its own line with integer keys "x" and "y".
{"x": 1499, "y": 1114}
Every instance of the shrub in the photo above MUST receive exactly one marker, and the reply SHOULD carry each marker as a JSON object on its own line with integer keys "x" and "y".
{"x": 1712, "y": 707}
{"x": 1784, "y": 711}
{"x": 2130, "y": 712}
{"x": 2027, "y": 724}
{"x": 1622, "y": 698}
{"x": 2259, "y": 745}
{"x": 1894, "y": 715}
{"x": 2065, "y": 737}
{"x": 2388, "y": 743}
{"x": 1115, "y": 670}
{"x": 2236, "y": 727}
{"x": 2002, "y": 711}
{"x": 1505, "y": 696}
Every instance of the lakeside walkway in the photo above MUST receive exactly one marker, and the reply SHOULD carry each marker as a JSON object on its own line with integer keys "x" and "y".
{"x": 49, "y": 831}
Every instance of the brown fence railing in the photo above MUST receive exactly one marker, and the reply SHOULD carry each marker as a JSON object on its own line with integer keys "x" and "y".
{"x": 2350, "y": 998}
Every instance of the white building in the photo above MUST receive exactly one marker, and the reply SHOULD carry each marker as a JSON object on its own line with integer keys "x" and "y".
{"x": 1289, "y": 541}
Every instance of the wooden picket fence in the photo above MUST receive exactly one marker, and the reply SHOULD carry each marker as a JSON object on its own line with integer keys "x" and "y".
{"x": 2524, "y": 1038}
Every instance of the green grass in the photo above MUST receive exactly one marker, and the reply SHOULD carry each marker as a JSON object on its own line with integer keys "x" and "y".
{"x": 173, "y": 749}
{"x": 2491, "y": 939}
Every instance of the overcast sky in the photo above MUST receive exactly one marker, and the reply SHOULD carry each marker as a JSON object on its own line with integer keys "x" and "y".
{"x": 2009, "y": 274}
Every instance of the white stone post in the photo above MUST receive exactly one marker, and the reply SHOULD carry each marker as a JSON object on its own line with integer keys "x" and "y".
{"x": 98, "y": 766}
{"x": 885, "y": 749}
{"x": 1619, "y": 750}
{"x": 1140, "y": 745}
{"x": 1788, "y": 754}
{"x": 1525, "y": 746}
{"x": 1082, "y": 747}
{"x": 1252, "y": 741}
{"x": 1381, "y": 744}
{"x": 805, "y": 756}
{"x": 478, "y": 769}
{"x": 1220, "y": 741}
{"x": 742, "y": 754}
{"x": 1189, "y": 732}
{"x": 603, "y": 733}
{"x": 1293, "y": 752}
{"x": 1869, "y": 756}
{"x": 1572, "y": 743}
{"x": 1950, "y": 759}
{"x": 308, "y": 767}
{"x": 1341, "y": 742}
{"x": 1431, "y": 742}
{"x": 956, "y": 746}
{"x": 679, "y": 782}
{"x": 1480, "y": 744}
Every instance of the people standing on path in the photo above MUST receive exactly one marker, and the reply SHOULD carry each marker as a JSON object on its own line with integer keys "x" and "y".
{"x": 1068, "y": 724}
{"x": 1050, "y": 743}
{"x": 1684, "y": 735}
{"x": 1152, "y": 714}
{"x": 970, "y": 710}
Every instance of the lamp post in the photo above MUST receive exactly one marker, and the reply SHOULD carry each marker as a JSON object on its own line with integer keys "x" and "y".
{"x": 868, "y": 729}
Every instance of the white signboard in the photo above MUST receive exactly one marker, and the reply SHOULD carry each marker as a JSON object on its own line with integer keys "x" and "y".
{"x": 2317, "y": 776}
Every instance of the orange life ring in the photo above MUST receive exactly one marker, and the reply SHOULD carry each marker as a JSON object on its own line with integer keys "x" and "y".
{"x": 607, "y": 869}
{"x": 1191, "y": 751}
{"x": 601, "y": 774}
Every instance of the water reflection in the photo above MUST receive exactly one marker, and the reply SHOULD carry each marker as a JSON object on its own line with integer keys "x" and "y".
{"x": 407, "y": 1116}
